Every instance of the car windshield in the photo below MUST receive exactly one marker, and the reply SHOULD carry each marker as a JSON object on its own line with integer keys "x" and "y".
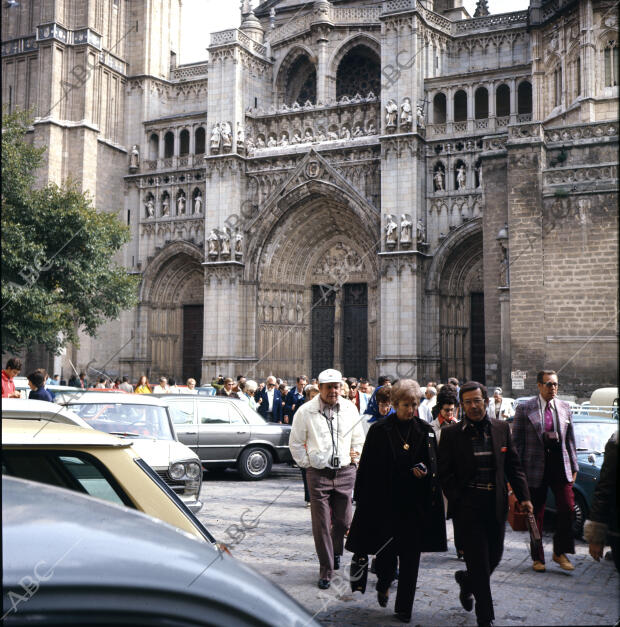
{"x": 126, "y": 419}
{"x": 592, "y": 436}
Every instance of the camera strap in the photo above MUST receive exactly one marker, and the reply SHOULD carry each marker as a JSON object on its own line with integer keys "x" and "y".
{"x": 330, "y": 426}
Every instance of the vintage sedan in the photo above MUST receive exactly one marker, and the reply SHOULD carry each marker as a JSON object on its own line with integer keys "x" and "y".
{"x": 94, "y": 463}
{"x": 69, "y": 559}
{"x": 228, "y": 433}
{"x": 591, "y": 435}
{"x": 146, "y": 422}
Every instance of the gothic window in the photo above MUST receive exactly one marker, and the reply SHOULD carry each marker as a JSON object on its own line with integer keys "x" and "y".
{"x": 359, "y": 72}
{"x": 578, "y": 77}
{"x": 199, "y": 139}
{"x": 502, "y": 101}
{"x": 460, "y": 106}
{"x": 610, "y": 56}
{"x": 439, "y": 109}
{"x": 154, "y": 146}
{"x": 557, "y": 87}
{"x": 168, "y": 145}
{"x": 184, "y": 142}
{"x": 481, "y": 102}
{"x": 524, "y": 97}
{"x": 300, "y": 82}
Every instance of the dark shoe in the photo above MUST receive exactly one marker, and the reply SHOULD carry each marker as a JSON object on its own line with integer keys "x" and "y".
{"x": 382, "y": 598}
{"x": 372, "y": 566}
{"x": 402, "y": 617}
{"x": 336, "y": 562}
{"x": 485, "y": 623}
{"x": 465, "y": 597}
{"x": 358, "y": 573}
{"x": 460, "y": 555}
{"x": 324, "y": 584}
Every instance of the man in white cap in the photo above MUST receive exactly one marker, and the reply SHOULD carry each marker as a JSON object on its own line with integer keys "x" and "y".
{"x": 327, "y": 439}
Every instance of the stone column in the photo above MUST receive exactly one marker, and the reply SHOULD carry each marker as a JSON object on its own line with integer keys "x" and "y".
{"x": 470, "y": 107}
{"x": 192, "y": 139}
{"x": 492, "y": 112}
{"x": 513, "y": 101}
{"x": 504, "y": 313}
{"x": 322, "y": 89}
{"x": 162, "y": 144}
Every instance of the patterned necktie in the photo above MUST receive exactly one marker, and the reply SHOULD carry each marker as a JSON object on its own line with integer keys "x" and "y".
{"x": 548, "y": 417}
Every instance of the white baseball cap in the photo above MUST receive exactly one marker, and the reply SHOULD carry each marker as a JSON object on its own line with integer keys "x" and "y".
{"x": 330, "y": 376}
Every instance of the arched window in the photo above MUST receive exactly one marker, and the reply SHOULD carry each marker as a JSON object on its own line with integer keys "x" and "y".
{"x": 184, "y": 142}
{"x": 460, "y": 106}
{"x": 610, "y": 58}
{"x": 199, "y": 139}
{"x": 154, "y": 146}
{"x": 359, "y": 72}
{"x": 168, "y": 145}
{"x": 502, "y": 101}
{"x": 524, "y": 97}
{"x": 439, "y": 109}
{"x": 557, "y": 86}
{"x": 300, "y": 82}
{"x": 481, "y": 102}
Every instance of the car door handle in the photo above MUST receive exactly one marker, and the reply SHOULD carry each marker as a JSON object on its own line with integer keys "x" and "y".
{"x": 242, "y": 432}
{"x": 191, "y": 432}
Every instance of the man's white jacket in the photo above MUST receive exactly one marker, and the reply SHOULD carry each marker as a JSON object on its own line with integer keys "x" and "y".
{"x": 311, "y": 438}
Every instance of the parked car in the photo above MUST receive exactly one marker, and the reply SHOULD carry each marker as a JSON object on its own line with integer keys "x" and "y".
{"x": 95, "y": 463}
{"x": 39, "y": 410}
{"x": 591, "y": 435}
{"x": 228, "y": 433}
{"x": 100, "y": 564}
{"x": 206, "y": 390}
{"x": 24, "y": 389}
{"x": 517, "y": 401}
{"x": 146, "y": 422}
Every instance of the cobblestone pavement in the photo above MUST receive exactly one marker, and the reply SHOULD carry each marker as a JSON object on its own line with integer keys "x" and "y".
{"x": 277, "y": 542}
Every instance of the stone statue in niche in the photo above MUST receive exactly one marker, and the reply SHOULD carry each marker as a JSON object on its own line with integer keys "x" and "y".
{"x": 249, "y": 144}
{"x": 216, "y": 138}
{"x": 238, "y": 244}
{"x": 150, "y": 208}
{"x": 419, "y": 232}
{"x": 391, "y": 112}
{"x": 213, "y": 245}
{"x": 345, "y": 133}
{"x": 165, "y": 207}
{"x": 419, "y": 116}
{"x": 438, "y": 179}
{"x": 461, "y": 177}
{"x": 332, "y": 135}
{"x": 198, "y": 203}
{"x": 226, "y": 136}
{"x": 320, "y": 136}
{"x": 371, "y": 129}
{"x": 260, "y": 142}
{"x": 296, "y": 138}
{"x": 405, "y": 229}
{"x": 358, "y": 131}
{"x": 308, "y": 136}
{"x": 283, "y": 140}
{"x": 390, "y": 230}
{"x": 225, "y": 244}
{"x": 181, "y": 204}
{"x": 134, "y": 158}
{"x": 240, "y": 136}
{"x": 406, "y": 115}
{"x": 271, "y": 142}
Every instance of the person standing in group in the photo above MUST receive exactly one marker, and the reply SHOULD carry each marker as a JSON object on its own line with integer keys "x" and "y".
{"x": 143, "y": 386}
{"x": 162, "y": 387}
{"x": 269, "y": 401}
{"x": 310, "y": 391}
{"x": 499, "y": 407}
{"x": 426, "y": 406}
{"x": 227, "y": 389}
{"x": 378, "y": 407}
{"x": 11, "y": 370}
{"x": 326, "y": 438}
{"x": 294, "y": 399}
{"x": 543, "y": 434}
{"x": 36, "y": 381}
{"x": 249, "y": 389}
{"x": 356, "y": 396}
{"x": 399, "y": 506}
{"x": 125, "y": 386}
{"x": 476, "y": 456}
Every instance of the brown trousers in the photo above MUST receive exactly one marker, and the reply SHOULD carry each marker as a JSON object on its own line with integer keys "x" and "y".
{"x": 331, "y": 510}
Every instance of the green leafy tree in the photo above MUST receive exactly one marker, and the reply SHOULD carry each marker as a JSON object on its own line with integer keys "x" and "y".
{"x": 58, "y": 273}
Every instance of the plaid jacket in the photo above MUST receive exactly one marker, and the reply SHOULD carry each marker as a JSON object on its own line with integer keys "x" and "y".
{"x": 527, "y": 430}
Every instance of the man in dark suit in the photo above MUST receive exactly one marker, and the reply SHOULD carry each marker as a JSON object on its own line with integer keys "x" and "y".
{"x": 294, "y": 399}
{"x": 269, "y": 401}
{"x": 475, "y": 456}
{"x": 545, "y": 441}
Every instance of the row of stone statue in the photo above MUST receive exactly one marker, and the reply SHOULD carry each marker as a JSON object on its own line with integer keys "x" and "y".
{"x": 181, "y": 204}
{"x": 439, "y": 177}
{"x": 358, "y": 98}
{"x": 406, "y": 226}
{"x": 310, "y": 138}
{"x": 219, "y": 245}
{"x": 405, "y": 121}
{"x": 221, "y": 137}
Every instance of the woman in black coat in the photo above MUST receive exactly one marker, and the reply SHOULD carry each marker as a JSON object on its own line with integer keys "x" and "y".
{"x": 399, "y": 505}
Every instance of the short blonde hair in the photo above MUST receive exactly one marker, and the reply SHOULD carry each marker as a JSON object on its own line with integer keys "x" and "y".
{"x": 251, "y": 386}
{"x": 405, "y": 389}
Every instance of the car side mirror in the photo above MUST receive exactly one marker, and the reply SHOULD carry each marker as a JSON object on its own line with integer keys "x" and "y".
{"x": 592, "y": 458}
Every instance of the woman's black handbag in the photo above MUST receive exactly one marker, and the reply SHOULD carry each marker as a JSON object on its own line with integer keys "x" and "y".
{"x": 359, "y": 573}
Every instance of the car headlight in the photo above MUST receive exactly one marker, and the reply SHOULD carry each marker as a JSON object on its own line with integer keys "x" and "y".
{"x": 176, "y": 471}
{"x": 193, "y": 470}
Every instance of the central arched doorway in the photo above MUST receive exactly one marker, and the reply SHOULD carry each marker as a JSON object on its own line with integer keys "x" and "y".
{"x": 317, "y": 287}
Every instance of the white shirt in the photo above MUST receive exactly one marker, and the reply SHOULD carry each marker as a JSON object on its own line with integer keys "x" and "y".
{"x": 270, "y": 398}
{"x": 424, "y": 412}
{"x": 160, "y": 390}
{"x": 310, "y": 440}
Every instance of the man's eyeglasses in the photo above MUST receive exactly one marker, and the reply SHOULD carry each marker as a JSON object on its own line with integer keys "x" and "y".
{"x": 271, "y": 385}
{"x": 473, "y": 401}
{"x": 551, "y": 384}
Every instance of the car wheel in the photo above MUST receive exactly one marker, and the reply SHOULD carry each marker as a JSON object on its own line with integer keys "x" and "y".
{"x": 255, "y": 463}
{"x": 581, "y": 512}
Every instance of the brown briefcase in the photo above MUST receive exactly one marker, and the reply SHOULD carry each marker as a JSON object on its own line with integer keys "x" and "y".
{"x": 516, "y": 518}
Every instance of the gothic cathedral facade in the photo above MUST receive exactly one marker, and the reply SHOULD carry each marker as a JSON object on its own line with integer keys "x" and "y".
{"x": 381, "y": 186}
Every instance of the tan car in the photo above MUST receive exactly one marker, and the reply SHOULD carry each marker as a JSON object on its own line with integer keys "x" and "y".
{"x": 94, "y": 463}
